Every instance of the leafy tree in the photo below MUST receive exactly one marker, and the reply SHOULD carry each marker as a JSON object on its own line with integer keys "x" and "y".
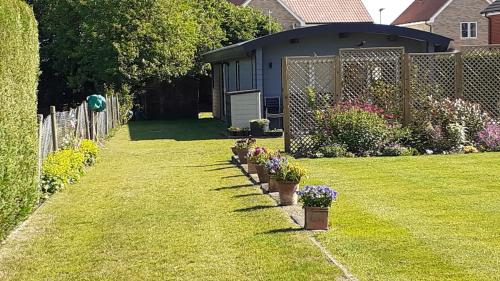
{"x": 120, "y": 45}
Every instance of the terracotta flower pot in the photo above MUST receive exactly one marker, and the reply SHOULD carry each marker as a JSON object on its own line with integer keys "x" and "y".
{"x": 262, "y": 173}
{"x": 252, "y": 168}
{"x": 242, "y": 155}
{"x": 316, "y": 218}
{"x": 288, "y": 192}
{"x": 273, "y": 184}
{"x": 234, "y": 150}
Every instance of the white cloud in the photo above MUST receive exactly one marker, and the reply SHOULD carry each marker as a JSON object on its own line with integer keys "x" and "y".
{"x": 393, "y": 8}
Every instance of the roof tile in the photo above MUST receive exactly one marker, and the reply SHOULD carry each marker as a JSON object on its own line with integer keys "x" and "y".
{"x": 420, "y": 10}
{"x": 328, "y": 11}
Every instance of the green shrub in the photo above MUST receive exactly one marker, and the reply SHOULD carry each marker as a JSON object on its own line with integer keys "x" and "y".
{"x": 361, "y": 132}
{"x": 60, "y": 169}
{"x": 18, "y": 125}
{"x": 398, "y": 150}
{"x": 90, "y": 151}
{"x": 332, "y": 151}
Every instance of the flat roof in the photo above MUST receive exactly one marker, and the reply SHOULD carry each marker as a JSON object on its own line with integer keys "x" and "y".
{"x": 242, "y": 49}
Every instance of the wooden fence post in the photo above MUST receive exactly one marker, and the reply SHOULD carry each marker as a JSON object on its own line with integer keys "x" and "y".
{"x": 459, "y": 76}
{"x": 53, "y": 123}
{"x": 40, "y": 141}
{"x": 86, "y": 120}
{"x": 286, "y": 102}
{"x": 406, "y": 87}
{"x": 338, "y": 80}
{"x": 118, "y": 111}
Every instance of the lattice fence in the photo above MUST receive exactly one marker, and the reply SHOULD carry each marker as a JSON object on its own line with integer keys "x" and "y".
{"x": 382, "y": 76}
{"x": 432, "y": 75}
{"x": 307, "y": 75}
{"x": 481, "y": 76}
{"x": 363, "y": 69}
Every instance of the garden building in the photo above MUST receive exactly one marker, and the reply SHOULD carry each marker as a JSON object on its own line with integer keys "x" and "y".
{"x": 248, "y": 74}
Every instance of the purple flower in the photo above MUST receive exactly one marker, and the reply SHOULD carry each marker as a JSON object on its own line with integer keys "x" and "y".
{"x": 317, "y": 196}
{"x": 489, "y": 138}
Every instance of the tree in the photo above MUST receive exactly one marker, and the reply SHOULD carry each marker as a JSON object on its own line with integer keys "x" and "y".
{"x": 93, "y": 45}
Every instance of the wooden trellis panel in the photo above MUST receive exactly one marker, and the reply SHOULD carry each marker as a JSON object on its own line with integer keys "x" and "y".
{"x": 481, "y": 76}
{"x": 301, "y": 74}
{"x": 362, "y": 69}
{"x": 432, "y": 75}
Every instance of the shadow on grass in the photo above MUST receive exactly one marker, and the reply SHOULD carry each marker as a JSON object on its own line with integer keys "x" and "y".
{"x": 282, "y": 230}
{"x": 233, "y": 187}
{"x": 220, "y": 163}
{"x": 234, "y": 176}
{"x": 254, "y": 208}
{"x": 179, "y": 130}
{"x": 247, "y": 195}
{"x": 220, "y": 169}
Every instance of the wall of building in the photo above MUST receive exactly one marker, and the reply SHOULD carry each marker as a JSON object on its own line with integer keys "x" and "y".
{"x": 448, "y": 23}
{"x": 324, "y": 45}
{"x": 216, "y": 90}
{"x": 495, "y": 29}
{"x": 245, "y": 107}
{"x": 419, "y": 26}
{"x": 287, "y": 20}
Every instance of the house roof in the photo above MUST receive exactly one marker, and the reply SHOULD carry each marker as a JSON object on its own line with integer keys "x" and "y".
{"x": 242, "y": 49}
{"x": 420, "y": 10}
{"x": 328, "y": 11}
{"x": 492, "y": 8}
{"x": 323, "y": 11}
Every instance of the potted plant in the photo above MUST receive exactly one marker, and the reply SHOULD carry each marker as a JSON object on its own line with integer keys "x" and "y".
{"x": 288, "y": 178}
{"x": 273, "y": 164}
{"x": 276, "y": 133}
{"x": 259, "y": 127}
{"x": 254, "y": 156}
{"x": 317, "y": 201}
{"x": 260, "y": 162}
{"x": 234, "y": 131}
{"x": 242, "y": 147}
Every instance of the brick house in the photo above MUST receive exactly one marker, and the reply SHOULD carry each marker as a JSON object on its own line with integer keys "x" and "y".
{"x": 492, "y": 13}
{"x": 460, "y": 20}
{"x": 292, "y": 14}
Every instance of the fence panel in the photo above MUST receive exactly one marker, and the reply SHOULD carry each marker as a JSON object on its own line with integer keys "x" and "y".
{"x": 307, "y": 76}
{"x": 373, "y": 75}
{"x": 432, "y": 75}
{"x": 481, "y": 75}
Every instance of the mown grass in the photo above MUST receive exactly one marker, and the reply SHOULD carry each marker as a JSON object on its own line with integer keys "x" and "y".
{"x": 163, "y": 203}
{"x": 414, "y": 218}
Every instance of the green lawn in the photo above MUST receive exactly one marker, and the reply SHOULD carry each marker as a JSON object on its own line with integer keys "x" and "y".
{"x": 414, "y": 218}
{"x": 162, "y": 204}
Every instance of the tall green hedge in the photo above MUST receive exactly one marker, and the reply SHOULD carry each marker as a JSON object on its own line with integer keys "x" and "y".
{"x": 19, "y": 62}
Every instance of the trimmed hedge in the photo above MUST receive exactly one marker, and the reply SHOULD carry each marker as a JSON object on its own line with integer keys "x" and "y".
{"x": 19, "y": 68}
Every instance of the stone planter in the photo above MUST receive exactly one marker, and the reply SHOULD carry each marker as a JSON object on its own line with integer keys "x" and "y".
{"x": 234, "y": 150}
{"x": 258, "y": 129}
{"x": 316, "y": 218}
{"x": 273, "y": 184}
{"x": 288, "y": 192}
{"x": 242, "y": 155}
{"x": 262, "y": 173}
{"x": 252, "y": 168}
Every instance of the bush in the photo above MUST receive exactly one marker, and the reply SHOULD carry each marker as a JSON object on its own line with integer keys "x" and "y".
{"x": 489, "y": 138}
{"x": 447, "y": 125}
{"x": 18, "y": 125}
{"x": 361, "y": 132}
{"x": 90, "y": 151}
{"x": 332, "y": 151}
{"x": 60, "y": 169}
{"x": 398, "y": 150}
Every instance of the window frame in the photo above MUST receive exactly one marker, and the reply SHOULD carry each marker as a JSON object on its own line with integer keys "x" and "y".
{"x": 469, "y": 24}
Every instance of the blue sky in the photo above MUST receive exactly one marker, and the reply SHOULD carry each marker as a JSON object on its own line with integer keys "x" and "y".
{"x": 393, "y": 9}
